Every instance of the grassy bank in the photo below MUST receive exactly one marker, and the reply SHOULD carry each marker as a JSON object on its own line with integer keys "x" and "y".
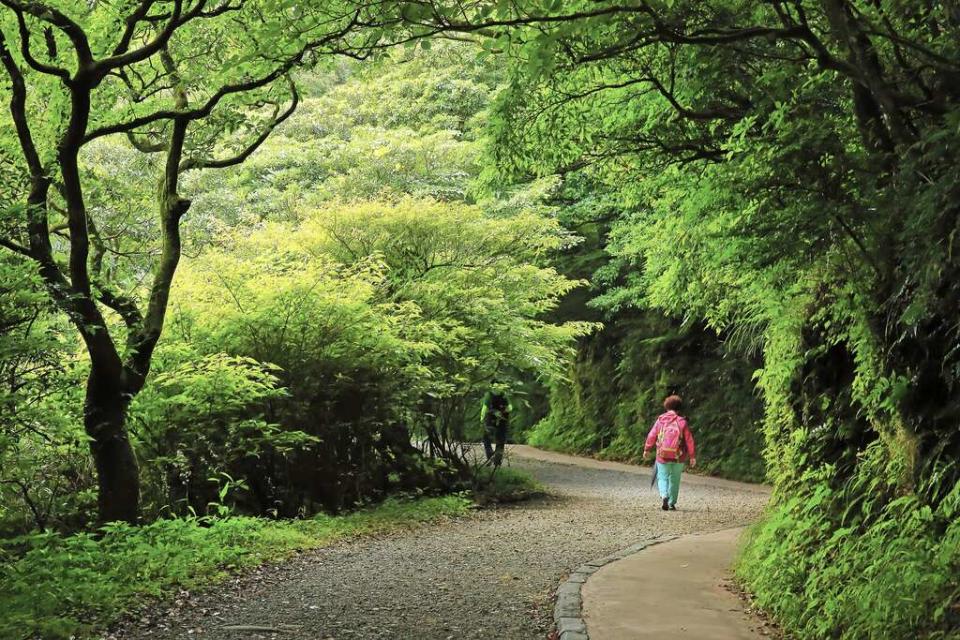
{"x": 53, "y": 586}
{"x": 506, "y": 485}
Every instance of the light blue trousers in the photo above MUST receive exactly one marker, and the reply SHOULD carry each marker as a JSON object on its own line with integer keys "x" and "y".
{"x": 668, "y": 480}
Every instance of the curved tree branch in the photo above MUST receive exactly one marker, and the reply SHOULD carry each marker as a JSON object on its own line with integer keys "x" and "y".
{"x": 154, "y": 46}
{"x": 275, "y": 121}
{"x": 185, "y": 114}
{"x": 25, "y": 51}
{"x": 57, "y": 18}
{"x": 132, "y": 21}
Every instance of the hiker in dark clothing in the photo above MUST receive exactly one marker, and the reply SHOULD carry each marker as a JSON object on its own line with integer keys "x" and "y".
{"x": 495, "y": 415}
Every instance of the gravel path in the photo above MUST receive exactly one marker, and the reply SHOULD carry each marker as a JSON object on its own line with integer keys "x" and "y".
{"x": 490, "y": 575}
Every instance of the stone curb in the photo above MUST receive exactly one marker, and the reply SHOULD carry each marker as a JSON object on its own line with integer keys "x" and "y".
{"x": 568, "y": 610}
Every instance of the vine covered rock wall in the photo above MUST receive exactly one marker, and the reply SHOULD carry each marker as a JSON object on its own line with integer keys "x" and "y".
{"x": 617, "y": 384}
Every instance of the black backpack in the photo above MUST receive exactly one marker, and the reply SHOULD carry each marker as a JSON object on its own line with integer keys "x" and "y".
{"x": 499, "y": 404}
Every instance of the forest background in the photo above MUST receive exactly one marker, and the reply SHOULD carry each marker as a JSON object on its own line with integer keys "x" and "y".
{"x": 587, "y": 207}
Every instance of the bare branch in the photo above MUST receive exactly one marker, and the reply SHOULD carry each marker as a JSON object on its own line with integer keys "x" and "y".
{"x": 13, "y": 246}
{"x": 282, "y": 69}
{"x": 144, "y": 146}
{"x": 730, "y": 113}
{"x": 38, "y": 518}
{"x": 174, "y": 20}
{"x": 125, "y": 307}
{"x": 132, "y": 20}
{"x": 18, "y": 110}
{"x": 172, "y": 208}
{"x": 154, "y": 46}
{"x": 186, "y": 114}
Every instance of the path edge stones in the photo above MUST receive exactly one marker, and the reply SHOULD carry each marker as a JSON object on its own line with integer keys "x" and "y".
{"x": 568, "y": 609}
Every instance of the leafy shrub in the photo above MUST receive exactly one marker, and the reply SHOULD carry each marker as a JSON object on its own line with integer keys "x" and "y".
{"x": 377, "y": 320}
{"x": 46, "y": 478}
{"x": 505, "y": 484}
{"x": 348, "y": 373}
{"x": 200, "y": 427}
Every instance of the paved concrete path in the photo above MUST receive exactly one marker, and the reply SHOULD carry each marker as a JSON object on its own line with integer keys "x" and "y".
{"x": 670, "y": 591}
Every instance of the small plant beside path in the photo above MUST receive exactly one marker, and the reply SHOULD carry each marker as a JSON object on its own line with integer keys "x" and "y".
{"x": 505, "y": 485}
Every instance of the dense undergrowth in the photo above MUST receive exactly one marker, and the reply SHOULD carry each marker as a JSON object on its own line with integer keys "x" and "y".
{"x": 863, "y": 561}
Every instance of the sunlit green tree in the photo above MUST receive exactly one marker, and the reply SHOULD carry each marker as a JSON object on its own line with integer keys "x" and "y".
{"x": 200, "y": 84}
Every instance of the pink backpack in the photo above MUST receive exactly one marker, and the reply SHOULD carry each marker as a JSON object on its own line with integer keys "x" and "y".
{"x": 670, "y": 440}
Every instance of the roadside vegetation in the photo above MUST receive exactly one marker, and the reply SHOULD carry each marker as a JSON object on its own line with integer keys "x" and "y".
{"x": 66, "y": 587}
{"x": 778, "y": 175}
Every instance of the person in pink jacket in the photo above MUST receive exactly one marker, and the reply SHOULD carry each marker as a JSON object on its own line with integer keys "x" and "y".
{"x": 671, "y": 436}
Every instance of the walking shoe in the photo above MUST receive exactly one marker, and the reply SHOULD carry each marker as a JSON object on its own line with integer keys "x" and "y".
{"x": 673, "y": 507}
{"x": 666, "y": 504}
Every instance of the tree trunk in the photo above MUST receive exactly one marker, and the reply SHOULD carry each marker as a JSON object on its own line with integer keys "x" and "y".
{"x": 118, "y": 480}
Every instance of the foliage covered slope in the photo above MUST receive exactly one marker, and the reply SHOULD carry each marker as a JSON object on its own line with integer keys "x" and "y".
{"x": 614, "y": 389}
